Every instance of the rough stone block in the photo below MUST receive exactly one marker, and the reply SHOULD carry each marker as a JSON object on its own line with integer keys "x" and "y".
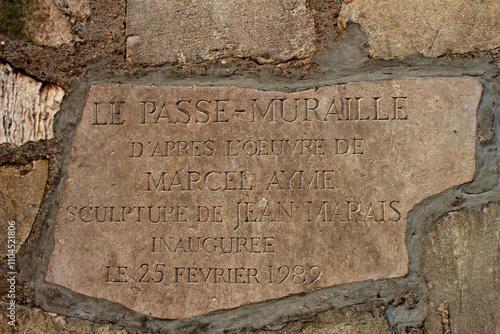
{"x": 398, "y": 28}
{"x": 21, "y": 192}
{"x": 462, "y": 270}
{"x": 37, "y": 321}
{"x": 199, "y": 30}
{"x": 27, "y": 107}
{"x": 77, "y": 10}
{"x": 49, "y": 25}
{"x": 368, "y": 318}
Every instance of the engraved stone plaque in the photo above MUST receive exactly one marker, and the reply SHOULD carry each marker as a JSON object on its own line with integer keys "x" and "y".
{"x": 180, "y": 201}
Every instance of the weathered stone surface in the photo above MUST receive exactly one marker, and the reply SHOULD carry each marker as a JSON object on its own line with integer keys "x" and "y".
{"x": 167, "y": 186}
{"x": 37, "y": 321}
{"x": 27, "y": 107}
{"x": 198, "y": 30}
{"x": 368, "y": 318}
{"x": 21, "y": 192}
{"x": 77, "y": 10}
{"x": 44, "y": 22}
{"x": 399, "y": 28}
{"x": 462, "y": 266}
{"x": 49, "y": 25}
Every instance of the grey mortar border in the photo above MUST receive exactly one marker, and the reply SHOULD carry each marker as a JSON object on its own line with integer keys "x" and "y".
{"x": 347, "y": 61}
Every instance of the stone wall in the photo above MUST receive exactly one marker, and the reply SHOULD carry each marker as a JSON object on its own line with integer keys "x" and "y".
{"x": 53, "y": 51}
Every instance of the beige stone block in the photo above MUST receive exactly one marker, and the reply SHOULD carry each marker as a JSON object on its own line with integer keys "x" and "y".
{"x": 49, "y": 25}
{"x": 27, "y": 107}
{"x": 76, "y": 9}
{"x": 462, "y": 266}
{"x": 398, "y": 28}
{"x": 198, "y": 30}
{"x": 180, "y": 201}
{"x": 21, "y": 192}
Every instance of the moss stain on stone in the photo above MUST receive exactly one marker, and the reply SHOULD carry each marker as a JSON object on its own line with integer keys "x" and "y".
{"x": 14, "y": 18}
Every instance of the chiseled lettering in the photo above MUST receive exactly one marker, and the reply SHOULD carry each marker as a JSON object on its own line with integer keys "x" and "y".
{"x": 183, "y": 111}
{"x": 196, "y": 181}
{"x": 268, "y": 212}
{"x": 277, "y": 147}
{"x": 138, "y": 213}
{"x": 169, "y": 148}
{"x": 219, "y": 110}
{"x": 308, "y": 109}
{"x": 199, "y": 106}
{"x": 213, "y": 244}
{"x": 211, "y": 214}
{"x": 353, "y": 211}
{"x": 256, "y": 110}
{"x": 352, "y": 146}
{"x": 216, "y": 275}
{"x": 116, "y": 274}
{"x": 184, "y": 117}
{"x": 115, "y": 114}
{"x": 400, "y": 103}
{"x": 301, "y": 180}
{"x": 339, "y": 108}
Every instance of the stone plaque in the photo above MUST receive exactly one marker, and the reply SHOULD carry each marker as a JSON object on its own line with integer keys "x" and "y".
{"x": 180, "y": 201}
